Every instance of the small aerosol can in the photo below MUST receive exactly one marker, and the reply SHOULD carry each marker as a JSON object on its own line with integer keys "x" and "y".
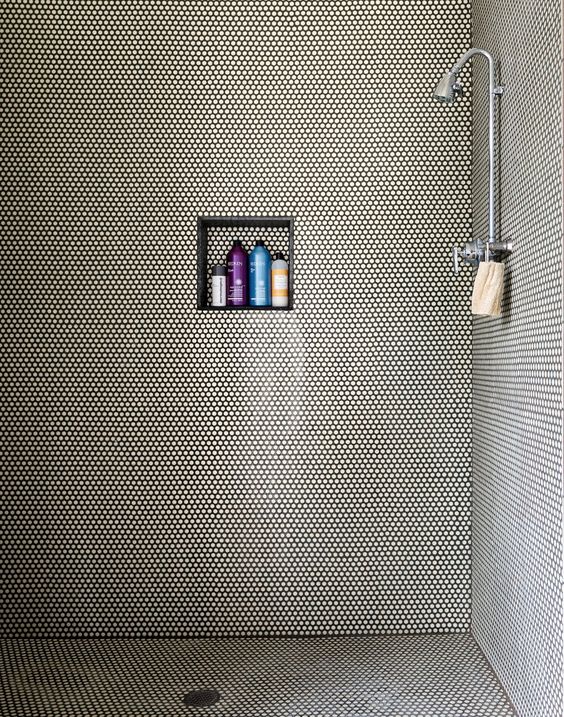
{"x": 219, "y": 285}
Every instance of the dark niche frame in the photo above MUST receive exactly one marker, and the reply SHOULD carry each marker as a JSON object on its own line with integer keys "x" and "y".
{"x": 207, "y": 223}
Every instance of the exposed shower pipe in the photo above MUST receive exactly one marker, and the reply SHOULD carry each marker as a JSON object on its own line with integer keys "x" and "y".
{"x": 448, "y": 90}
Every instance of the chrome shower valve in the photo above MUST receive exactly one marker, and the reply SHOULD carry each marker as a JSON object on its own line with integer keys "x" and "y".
{"x": 473, "y": 252}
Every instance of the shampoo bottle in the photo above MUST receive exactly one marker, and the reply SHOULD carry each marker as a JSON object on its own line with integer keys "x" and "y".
{"x": 259, "y": 275}
{"x": 237, "y": 275}
{"x": 279, "y": 280}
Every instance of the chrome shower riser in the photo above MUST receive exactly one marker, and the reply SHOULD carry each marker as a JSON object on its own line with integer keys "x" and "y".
{"x": 448, "y": 90}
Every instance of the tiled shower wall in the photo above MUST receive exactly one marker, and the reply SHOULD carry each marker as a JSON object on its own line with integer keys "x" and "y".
{"x": 175, "y": 472}
{"x": 517, "y": 442}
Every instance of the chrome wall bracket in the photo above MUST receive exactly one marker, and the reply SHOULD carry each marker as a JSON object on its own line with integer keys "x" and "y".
{"x": 473, "y": 252}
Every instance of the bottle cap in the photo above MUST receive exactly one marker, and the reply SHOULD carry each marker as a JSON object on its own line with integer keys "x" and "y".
{"x": 259, "y": 242}
{"x": 237, "y": 242}
{"x": 279, "y": 255}
{"x": 219, "y": 270}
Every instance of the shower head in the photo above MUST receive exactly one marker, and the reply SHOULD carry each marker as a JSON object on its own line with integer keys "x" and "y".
{"x": 449, "y": 88}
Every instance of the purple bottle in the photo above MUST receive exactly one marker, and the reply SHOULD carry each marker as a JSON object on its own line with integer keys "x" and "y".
{"x": 237, "y": 273}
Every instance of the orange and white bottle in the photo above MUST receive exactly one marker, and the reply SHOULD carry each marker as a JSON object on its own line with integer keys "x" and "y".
{"x": 279, "y": 280}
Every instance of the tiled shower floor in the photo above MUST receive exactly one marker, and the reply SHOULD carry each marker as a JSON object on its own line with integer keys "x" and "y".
{"x": 395, "y": 676}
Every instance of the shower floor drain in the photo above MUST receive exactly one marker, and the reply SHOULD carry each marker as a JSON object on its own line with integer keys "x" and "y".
{"x": 201, "y": 698}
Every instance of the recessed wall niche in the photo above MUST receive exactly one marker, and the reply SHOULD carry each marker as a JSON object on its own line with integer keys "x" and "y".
{"x": 215, "y": 238}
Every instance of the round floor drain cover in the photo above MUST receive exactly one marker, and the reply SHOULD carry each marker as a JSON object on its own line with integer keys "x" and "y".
{"x": 201, "y": 698}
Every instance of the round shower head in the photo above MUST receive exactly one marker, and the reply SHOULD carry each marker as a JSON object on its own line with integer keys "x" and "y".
{"x": 448, "y": 89}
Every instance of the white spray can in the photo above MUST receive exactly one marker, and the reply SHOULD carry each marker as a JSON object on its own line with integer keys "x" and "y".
{"x": 219, "y": 285}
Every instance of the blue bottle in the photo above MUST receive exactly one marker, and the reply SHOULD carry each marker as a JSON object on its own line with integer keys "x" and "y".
{"x": 259, "y": 275}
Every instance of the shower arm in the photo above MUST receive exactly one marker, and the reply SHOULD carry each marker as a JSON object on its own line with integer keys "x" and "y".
{"x": 493, "y": 92}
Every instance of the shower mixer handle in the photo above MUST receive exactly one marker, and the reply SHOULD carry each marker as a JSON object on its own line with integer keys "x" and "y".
{"x": 456, "y": 259}
{"x": 468, "y": 253}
